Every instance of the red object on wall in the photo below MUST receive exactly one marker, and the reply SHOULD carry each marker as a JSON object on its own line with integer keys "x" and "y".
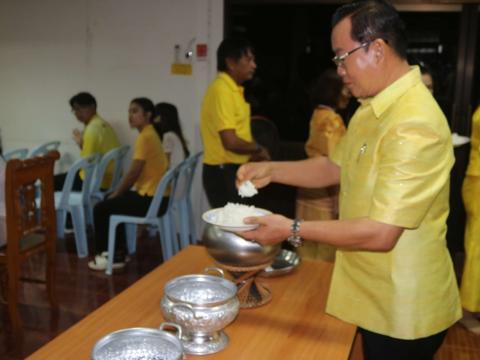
{"x": 201, "y": 51}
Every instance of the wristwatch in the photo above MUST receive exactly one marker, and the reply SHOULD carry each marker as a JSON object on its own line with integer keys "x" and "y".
{"x": 294, "y": 239}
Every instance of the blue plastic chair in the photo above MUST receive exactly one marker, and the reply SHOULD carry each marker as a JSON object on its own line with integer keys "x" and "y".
{"x": 16, "y": 154}
{"x": 162, "y": 223}
{"x": 116, "y": 155}
{"x": 75, "y": 203}
{"x": 182, "y": 205}
{"x": 44, "y": 148}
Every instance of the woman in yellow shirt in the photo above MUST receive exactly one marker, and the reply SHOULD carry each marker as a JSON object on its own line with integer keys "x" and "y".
{"x": 326, "y": 129}
{"x": 149, "y": 163}
{"x": 470, "y": 286}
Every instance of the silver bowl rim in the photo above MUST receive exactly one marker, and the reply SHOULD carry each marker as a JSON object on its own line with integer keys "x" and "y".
{"x": 229, "y": 285}
{"x": 137, "y": 332}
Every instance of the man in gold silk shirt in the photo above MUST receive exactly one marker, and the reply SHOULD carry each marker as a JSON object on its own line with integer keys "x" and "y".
{"x": 393, "y": 275}
{"x": 225, "y": 123}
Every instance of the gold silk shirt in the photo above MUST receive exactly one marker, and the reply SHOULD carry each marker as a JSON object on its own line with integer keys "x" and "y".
{"x": 395, "y": 162}
{"x": 473, "y": 168}
{"x": 224, "y": 107}
{"x": 326, "y": 130}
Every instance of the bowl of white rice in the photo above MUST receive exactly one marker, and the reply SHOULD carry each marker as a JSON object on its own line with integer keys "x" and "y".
{"x": 225, "y": 246}
{"x": 230, "y": 217}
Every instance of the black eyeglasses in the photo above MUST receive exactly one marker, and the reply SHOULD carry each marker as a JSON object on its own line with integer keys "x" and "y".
{"x": 338, "y": 60}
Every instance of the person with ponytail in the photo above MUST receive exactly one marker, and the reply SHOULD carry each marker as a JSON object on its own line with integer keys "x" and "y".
{"x": 137, "y": 188}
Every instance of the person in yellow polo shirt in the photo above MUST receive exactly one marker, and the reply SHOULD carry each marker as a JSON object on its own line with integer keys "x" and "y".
{"x": 98, "y": 137}
{"x": 470, "y": 285}
{"x": 225, "y": 123}
{"x": 393, "y": 276}
{"x": 148, "y": 165}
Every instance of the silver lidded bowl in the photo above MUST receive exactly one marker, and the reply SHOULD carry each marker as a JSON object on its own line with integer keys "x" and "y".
{"x": 230, "y": 249}
{"x": 141, "y": 343}
{"x": 202, "y": 305}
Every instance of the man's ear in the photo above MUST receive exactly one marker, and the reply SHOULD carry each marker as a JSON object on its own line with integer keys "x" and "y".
{"x": 379, "y": 48}
{"x": 230, "y": 63}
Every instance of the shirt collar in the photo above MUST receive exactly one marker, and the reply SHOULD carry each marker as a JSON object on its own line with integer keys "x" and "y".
{"x": 230, "y": 82}
{"x": 388, "y": 96}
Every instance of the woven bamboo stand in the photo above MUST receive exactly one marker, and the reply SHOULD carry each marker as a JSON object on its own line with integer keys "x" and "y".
{"x": 252, "y": 290}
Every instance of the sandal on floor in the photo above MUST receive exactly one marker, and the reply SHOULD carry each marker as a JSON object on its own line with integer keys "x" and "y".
{"x": 105, "y": 255}
{"x": 471, "y": 324}
{"x": 100, "y": 264}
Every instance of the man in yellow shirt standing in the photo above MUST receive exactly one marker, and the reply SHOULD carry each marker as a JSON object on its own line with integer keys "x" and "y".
{"x": 97, "y": 137}
{"x": 225, "y": 123}
{"x": 393, "y": 276}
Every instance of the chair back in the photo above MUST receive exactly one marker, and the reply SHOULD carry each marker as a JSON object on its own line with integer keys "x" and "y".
{"x": 192, "y": 162}
{"x": 45, "y": 148}
{"x": 16, "y": 154}
{"x": 88, "y": 165}
{"x": 116, "y": 156}
{"x": 31, "y": 224}
{"x": 184, "y": 219}
{"x": 119, "y": 161}
{"x": 168, "y": 181}
{"x": 24, "y": 181}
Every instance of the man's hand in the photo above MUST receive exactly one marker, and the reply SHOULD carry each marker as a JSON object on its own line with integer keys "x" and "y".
{"x": 259, "y": 173}
{"x": 77, "y": 136}
{"x": 272, "y": 230}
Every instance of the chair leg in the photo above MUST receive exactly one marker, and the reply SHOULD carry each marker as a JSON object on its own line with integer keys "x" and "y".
{"x": 184, "y": 224}
{"x": 131, "y": 237}
{"x": 165, "y": 236}
{"x": 50, "y": 274}
{"x": 61, "y": 219}
{"x": 12, "y": 298}
{"x": 191, "y": 218}
{"x": 80, "y": 231}
{"x": 170, "y": 222}
{"x": 111, "y": 245}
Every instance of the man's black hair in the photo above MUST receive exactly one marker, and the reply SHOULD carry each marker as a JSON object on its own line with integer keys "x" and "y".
{"x": 83, "y": 99}
{"x": 232, "y": 48}
{"x": 374, "y": 19}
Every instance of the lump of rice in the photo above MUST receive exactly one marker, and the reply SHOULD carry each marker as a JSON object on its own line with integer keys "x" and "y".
{"x": 247, "y": 189}
{"x": 233, "y": 214}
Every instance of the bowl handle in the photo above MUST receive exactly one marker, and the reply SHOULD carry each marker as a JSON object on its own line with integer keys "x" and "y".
{"x": 186, "y": 306}
{"x": 171, "y": 325}
{"x": 210, "y": 269}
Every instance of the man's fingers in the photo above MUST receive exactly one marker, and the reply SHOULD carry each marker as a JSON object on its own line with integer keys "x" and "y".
{"x": 252, "y": 220}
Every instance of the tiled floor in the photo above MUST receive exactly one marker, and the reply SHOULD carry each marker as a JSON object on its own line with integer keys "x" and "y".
{"x": 80, "y": 291}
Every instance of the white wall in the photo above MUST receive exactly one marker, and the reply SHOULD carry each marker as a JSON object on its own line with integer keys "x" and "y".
{"x": 115, "y": 49}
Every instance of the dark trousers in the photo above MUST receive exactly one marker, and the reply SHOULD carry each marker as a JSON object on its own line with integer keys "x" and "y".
{"x": 129, "y": 203}
{"x": 381, "y": 347}
{"x": 219, "y": 185}
{"x": 59, "y": 180}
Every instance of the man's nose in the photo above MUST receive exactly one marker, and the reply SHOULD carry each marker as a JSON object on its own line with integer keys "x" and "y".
{"x": 341, "y": 70}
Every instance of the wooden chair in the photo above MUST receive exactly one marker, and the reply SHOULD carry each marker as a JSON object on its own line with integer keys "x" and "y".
{"x": 30, "y": 224}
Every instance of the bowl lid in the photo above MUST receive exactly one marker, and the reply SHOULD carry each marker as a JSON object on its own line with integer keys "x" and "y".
{"x": 138, "y": 343}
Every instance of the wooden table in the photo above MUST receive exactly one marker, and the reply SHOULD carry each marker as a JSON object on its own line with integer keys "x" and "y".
{"x": 292, "y": 326}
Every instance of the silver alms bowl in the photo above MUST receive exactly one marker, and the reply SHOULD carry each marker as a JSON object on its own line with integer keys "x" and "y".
{"x": 140, "y": 343}
{"x": 230, "y": 249}
{"x": 202, "y": 305}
